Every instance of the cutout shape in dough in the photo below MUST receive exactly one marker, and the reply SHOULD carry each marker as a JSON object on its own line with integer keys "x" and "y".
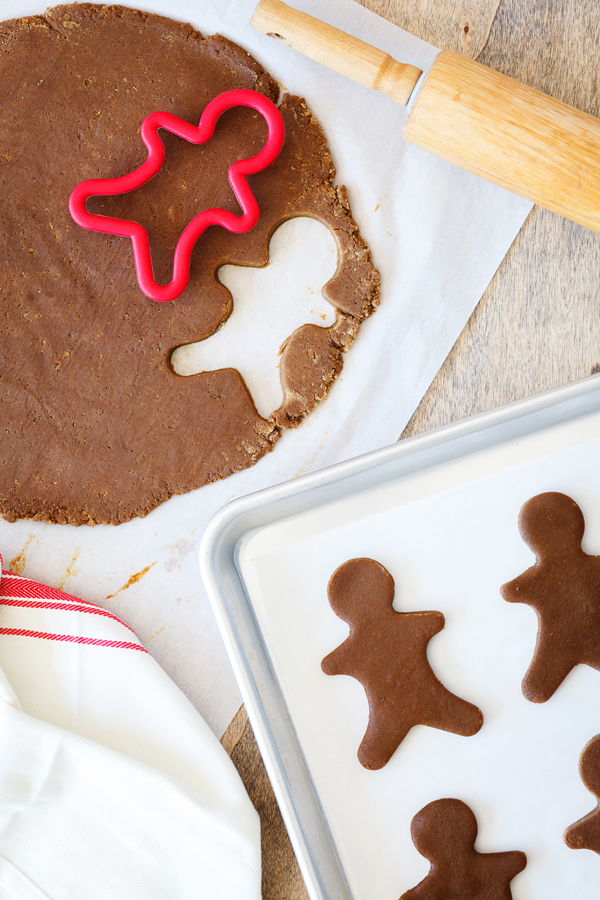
{"x": 270, "y": 303}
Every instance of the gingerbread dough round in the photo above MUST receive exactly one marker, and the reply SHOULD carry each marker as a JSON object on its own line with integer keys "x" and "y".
{"x": 96, "y": 425}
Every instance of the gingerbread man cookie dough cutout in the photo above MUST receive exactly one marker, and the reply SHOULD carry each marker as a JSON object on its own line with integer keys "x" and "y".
{"x": 444, "y": 832}
{"x": 585, "y": 833}
{"x": 564, "y": 589}
{"x": 387, "y": 652}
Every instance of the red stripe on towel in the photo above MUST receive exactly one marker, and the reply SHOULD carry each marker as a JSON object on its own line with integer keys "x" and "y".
{"x": 72, "y": 638}
{"x": 18, "y": 591}
{"x": 17, "y": 586}
{"x": 71, "y": 607}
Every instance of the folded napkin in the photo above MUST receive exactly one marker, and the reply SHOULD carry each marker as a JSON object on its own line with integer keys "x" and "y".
{"x": 111, "y": 784}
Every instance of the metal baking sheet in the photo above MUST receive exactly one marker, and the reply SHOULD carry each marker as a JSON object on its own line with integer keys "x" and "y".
{"x": 440, "y": 512}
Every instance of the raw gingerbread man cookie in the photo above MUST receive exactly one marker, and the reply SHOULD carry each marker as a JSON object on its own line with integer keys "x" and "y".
{"x": 444, "y": 832}
{"x": 564, "y": 589}
{"x": 387, "y": 652}
{"x": 585, "y": 833}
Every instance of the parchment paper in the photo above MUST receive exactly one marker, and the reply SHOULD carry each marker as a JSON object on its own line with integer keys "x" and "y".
{"x": 436, "y": 234}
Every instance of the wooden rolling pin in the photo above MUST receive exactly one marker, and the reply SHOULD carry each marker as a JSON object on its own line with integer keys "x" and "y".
{"x": 472, "y": 116}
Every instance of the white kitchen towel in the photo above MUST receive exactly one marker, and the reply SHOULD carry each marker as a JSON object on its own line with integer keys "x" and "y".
{"x": 111, "y": 784}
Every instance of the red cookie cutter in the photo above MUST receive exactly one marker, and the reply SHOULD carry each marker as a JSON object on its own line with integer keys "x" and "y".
{"x": 102, "y": 187}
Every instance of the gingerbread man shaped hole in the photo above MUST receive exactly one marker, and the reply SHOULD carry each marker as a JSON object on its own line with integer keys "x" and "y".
{"x": 444, "y": 832}
{"x": 387, "y": 652}
{"x": 564, "y": 589}
{"x": 270, "y": 304}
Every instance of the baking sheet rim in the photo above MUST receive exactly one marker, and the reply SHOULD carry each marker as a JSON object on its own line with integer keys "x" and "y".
{"x": 224, "y": 584}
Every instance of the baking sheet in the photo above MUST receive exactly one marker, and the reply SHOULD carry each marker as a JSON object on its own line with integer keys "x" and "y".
{"x": 447, "y": 532}
{"x": 437, "y": 236}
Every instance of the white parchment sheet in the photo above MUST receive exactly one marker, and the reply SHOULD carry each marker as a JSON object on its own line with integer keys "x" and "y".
{"x": 449, "y": 538}
{"x": 436, "y": 234}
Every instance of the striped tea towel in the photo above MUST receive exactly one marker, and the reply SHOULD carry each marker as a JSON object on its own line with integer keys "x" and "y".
{"x": 111, "y": 785}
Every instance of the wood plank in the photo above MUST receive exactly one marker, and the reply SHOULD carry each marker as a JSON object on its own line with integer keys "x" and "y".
{"x": 281, "y": 878}
{"x": 537, "y": 326}
{"x": 460, "y": 25}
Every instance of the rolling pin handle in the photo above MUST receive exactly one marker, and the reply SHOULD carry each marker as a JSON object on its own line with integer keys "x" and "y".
{"x": 341, "y": 52}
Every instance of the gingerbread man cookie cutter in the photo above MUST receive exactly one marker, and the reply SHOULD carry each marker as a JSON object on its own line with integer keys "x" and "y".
{"x": 195, "y": 134}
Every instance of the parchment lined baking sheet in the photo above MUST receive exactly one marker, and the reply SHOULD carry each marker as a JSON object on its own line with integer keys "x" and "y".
{"x": 448, "y": 535}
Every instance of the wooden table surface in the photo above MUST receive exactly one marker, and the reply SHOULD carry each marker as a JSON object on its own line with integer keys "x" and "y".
{"x": 538, "y": 324}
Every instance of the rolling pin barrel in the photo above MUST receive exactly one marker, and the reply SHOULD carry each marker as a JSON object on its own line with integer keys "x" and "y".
{"x": 510, "y": 134}
{"x": 472, "y": 116}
